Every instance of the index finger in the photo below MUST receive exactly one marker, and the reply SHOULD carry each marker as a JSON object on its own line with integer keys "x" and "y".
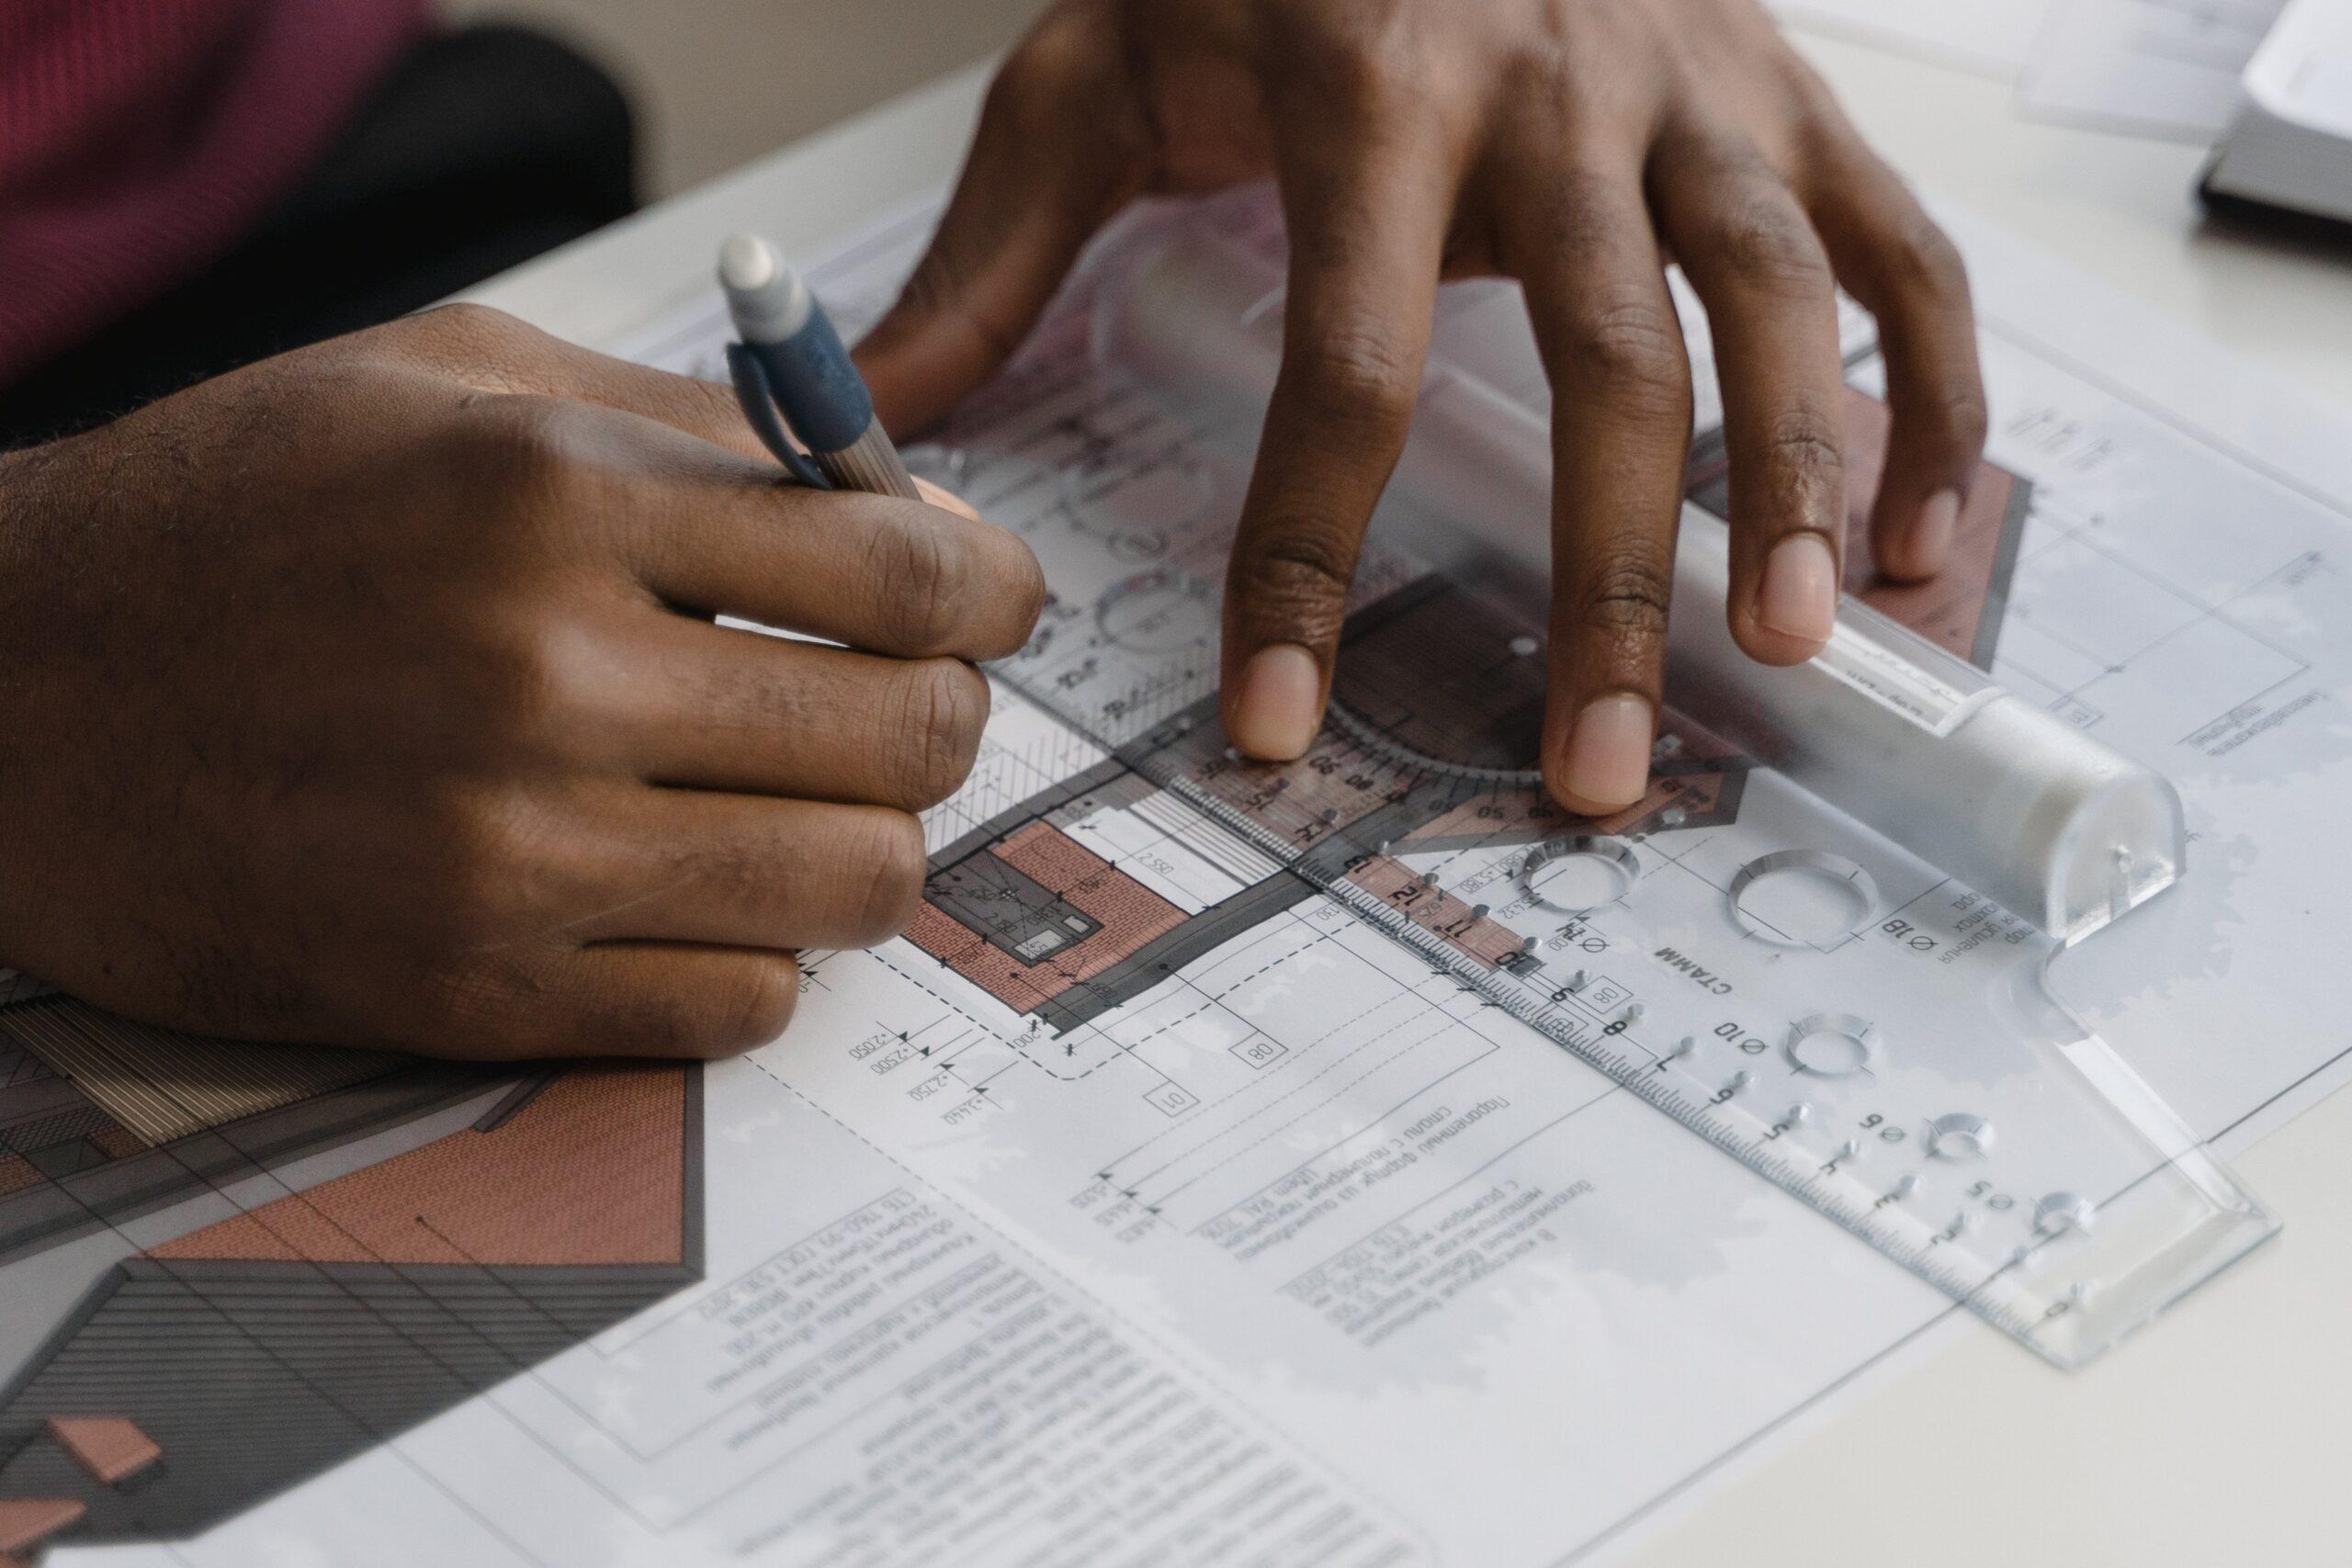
{"x": 492, "y": 352}
{"x": 495, "y": 352}
{"x": 703, "y": 530}
{"x": 1367, "y": 214}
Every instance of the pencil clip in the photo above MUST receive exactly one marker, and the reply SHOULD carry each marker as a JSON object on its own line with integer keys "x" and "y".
{"x": 757, "y": 399}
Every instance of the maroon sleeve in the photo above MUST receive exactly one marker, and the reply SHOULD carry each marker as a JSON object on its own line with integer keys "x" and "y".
{"x": 139, "y": 138}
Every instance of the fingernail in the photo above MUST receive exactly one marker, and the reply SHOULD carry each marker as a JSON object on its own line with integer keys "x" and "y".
{"x": 1274, "y": 717}
{"x": 1799, "y": 597}
{"x": 1608, "y": 751}
{"x": 1931, "y": 536}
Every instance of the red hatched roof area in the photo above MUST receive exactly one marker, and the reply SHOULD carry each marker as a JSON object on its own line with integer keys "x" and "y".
{"x": 591, "y": 1171}
{"x": 28, "y": 1521}
{"x": 1949, "y": 608}
{"x": 1130, "y": 915}
{"x": 117, "y": 1141}
{"x": 16, "y": 1173}
{"x": 111, "y": 1448}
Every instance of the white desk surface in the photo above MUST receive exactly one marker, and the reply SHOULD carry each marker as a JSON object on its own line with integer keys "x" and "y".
{"x": 2222, "y": 1435}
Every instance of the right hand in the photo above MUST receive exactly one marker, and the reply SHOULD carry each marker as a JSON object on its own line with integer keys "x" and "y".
{"x": 368, "y": 695}
{"x": 1571, "y": 144}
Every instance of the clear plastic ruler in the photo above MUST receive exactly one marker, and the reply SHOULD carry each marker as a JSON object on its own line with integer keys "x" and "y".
{"x": 1814, "y": 993}
{"x": 1868, "y": 1034}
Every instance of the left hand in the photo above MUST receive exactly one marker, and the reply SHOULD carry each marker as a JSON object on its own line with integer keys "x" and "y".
{"x": 1571, "y": 144}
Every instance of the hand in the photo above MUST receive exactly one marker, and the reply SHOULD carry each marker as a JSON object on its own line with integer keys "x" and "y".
{"x": 1571, "y": 144}
{"x": 367, "y": 696}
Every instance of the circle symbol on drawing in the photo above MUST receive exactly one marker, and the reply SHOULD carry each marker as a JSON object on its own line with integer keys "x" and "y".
{"x": 1144, "y": 507}
{"x": 1158, "y": 611}
{"x": 1388, "y": 749}
{"x": 1831, "y": 1044}
{"x": 1135, "y": 545}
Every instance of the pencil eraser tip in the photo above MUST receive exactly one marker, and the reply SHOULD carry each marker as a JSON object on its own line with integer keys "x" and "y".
{"x": 746, "y": 261}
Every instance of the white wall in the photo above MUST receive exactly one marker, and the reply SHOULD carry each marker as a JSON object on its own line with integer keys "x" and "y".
{"x": 716, "y": 82}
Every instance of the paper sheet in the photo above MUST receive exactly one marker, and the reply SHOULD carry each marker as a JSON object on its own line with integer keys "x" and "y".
{"x": 1993, "y": 38}
{"x": 1292, "y": 1255}
{"x": 2160, "y": 67}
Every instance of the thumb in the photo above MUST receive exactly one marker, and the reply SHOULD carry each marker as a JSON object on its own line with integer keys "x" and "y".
{"x": 1062, "y": 145}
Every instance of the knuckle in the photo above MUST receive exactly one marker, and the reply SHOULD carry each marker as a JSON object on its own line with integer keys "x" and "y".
{"x": 1062, "y": 55}
{"x": 1764, "y": 241}
{"x": 1295, "y": 583}
{"x": 923, "y": 576}
{"x": 1959, "y": 419}
{"x": 1810, "y": 94}
{"x": 1354, "y": 381}
{"x": 1808, "y": 446}
{"x": 1367, "y": 67}
{"x": 522, "y": 677}
{"x": 480, "y": 844}
{"x": 730, "y": 873}
{"x": 942, "y": 707}
{"x": 1626, "y": 591}
{"x": 1546, "y": 65}
{"x": 1950, "y": 423}
{"x": 1568, "y": 212}
{"x": 459, "y": 322}
{"x": 513, "y": 455}
{"x": 480, "y": 343}
{"x": 1632, "y": 355}
{"x": 891, "y": 864}
{"x": 670, "y": 1021}
{"x": 460, "y": 318}
{"x": 749, "y": 1008}
{"x": 484, "y": 1010}
{"x": 1922, "y": 260}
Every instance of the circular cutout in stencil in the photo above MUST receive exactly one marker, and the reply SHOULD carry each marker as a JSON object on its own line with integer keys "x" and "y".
{"x": 1960, "y": 1135}
{"x": 1579, "y": 874}
{"x": 2056, "y": 1213}
{"x": 1801, "y": 898}
{"x": 1831, "y": 1044}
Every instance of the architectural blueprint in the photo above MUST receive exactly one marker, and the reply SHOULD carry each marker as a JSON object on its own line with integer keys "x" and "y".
{"x": 1144, "y": 1203}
